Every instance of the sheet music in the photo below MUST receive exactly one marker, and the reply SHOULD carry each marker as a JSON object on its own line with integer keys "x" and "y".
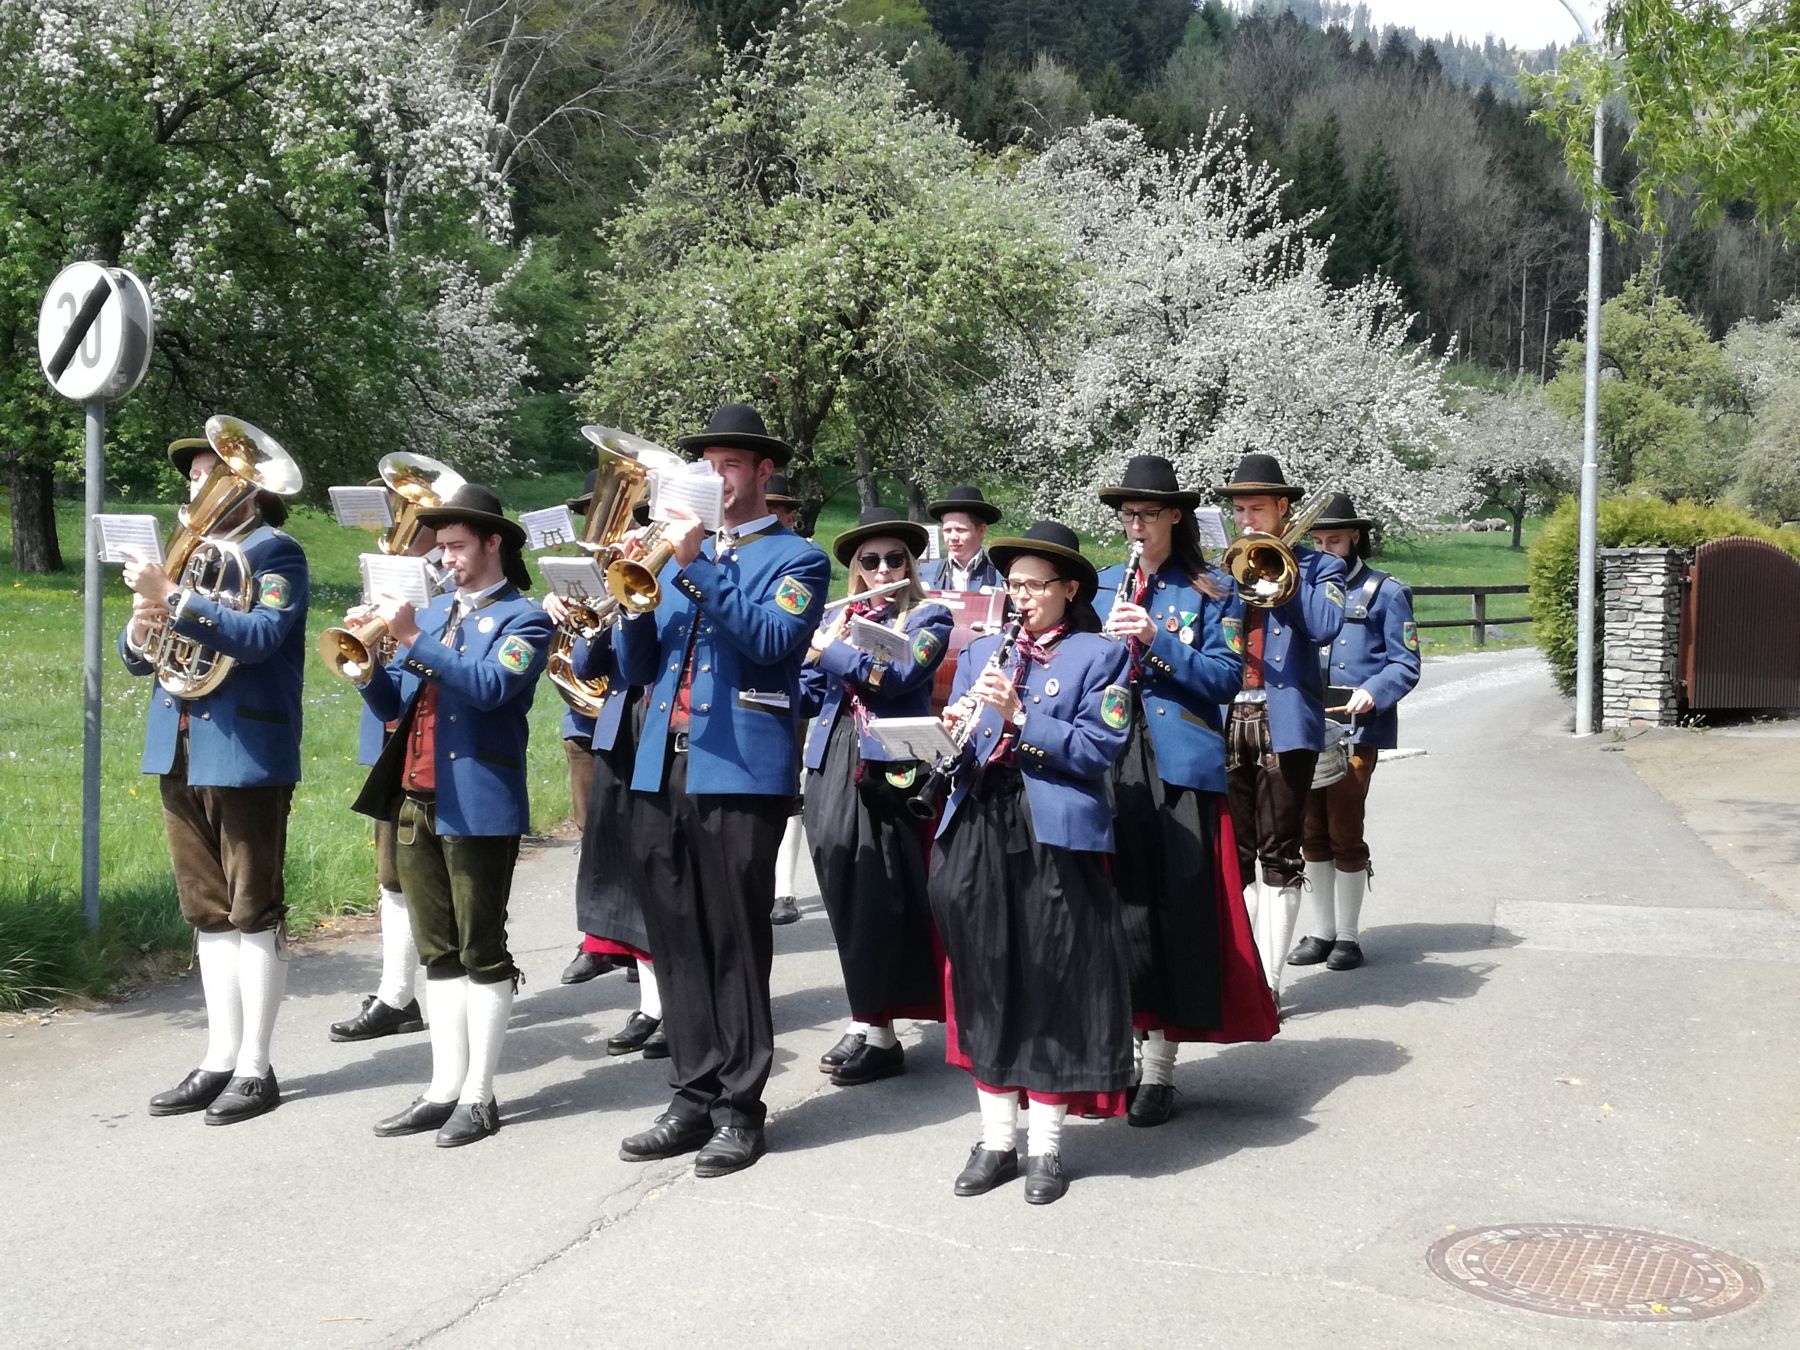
{"x": 697, "y": 488}
{"x": 878, "y": 640}
{"x": 361, "y": 508}
{"x": 122, "y": 538}
{"x": 921, "y": 738}
{"x": 934, "y": 544}
{"x": 1211, "y": 520}
{"x": 549, "y": 527}
{"x": 407, "y": 579}
{"x": 574, "y": 578}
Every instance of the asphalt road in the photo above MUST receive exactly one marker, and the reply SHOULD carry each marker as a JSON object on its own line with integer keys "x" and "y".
{"x": 1573, "y": 1012}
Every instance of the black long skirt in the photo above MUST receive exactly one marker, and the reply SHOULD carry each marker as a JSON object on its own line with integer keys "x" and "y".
{"x": 1039, "y": 988}
{"x": 869, "y": 855}
{"x": 609, "y": 876}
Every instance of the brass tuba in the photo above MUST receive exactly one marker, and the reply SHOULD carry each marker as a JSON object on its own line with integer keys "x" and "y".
{"x": 623, "y": 480}
{"x": 250, "y": 461}
{"x": 1263, "y": 565}
{"x": 421, "y": 483}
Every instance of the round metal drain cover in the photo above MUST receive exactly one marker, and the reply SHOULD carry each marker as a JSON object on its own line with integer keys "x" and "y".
{"x": 1586, "y": 1270}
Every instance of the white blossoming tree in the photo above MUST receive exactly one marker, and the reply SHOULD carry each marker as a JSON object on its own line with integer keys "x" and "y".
{"x": 305, "y": 185}
{"x": 1204, "y": 330}
{"x": 1517, "y": 454}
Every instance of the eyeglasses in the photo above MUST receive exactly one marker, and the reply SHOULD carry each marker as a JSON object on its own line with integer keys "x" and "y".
{"x": 896, "y": 561}
{"x": 1030, "y": 586}
{"x": 1150, "y": 517}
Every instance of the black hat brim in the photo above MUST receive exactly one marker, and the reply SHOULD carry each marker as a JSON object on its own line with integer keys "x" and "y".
{"x": 1344, "y": 523}
{"x": 909, "y": 532}
{"x": 1287, "y": 490}
{"x": 512, "y": 534}
{"x": 182, "y": 452}
{"x": 579, "y": 505}
{"x": 1004, "y": 551}
{"x": 765, "y": 446}
{"x": 1118, "y": 496}
{"x": 781, "y": 499}
{"x": 983, "y": 511}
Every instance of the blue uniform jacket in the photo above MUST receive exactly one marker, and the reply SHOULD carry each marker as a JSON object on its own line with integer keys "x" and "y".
{"x": 598, "y": 660}
{"x": 904, "y": 691}
{"x": 1077, "y": 712}
{"x": 986, "y": 577}
{"x": 1295, "y": 633}
{"x": 1378, "y": 650}
{"x": 577, "y": 726}
{"x": 1189, "y": 670}
{"x": 247, "y": 732}
{"x": 485, "y": 681}
{"x": 748, "y": 617}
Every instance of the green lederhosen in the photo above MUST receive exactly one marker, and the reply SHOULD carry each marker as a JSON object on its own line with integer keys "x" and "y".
{"x": 456, "y": 892}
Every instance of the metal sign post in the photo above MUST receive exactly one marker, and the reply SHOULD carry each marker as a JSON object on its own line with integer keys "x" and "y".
{"x": 95, "y": 331}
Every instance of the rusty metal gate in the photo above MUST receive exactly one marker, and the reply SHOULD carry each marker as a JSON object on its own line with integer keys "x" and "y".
{"x": 1740, "y": 627}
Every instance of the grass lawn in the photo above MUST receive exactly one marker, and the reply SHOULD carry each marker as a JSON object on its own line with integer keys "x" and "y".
{"x": 1463, "y": 560}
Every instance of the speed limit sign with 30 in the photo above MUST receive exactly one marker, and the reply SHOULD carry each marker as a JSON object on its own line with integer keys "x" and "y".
{"x": 95, "y": 331}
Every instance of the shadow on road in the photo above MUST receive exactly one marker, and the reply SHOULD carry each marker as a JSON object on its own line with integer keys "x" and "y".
{"x": 1398, "y": 969}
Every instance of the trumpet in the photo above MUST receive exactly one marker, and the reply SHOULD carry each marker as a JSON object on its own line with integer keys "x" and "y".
{"x": 1264, "y": 566}
{"x": 940, "y": 779}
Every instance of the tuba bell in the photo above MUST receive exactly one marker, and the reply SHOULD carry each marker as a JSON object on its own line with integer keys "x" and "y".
{"x": 1264, "y": 566}
{"x": 250, "y": 461}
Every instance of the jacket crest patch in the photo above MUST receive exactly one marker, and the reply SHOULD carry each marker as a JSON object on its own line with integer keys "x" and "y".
{"x": 1115, "y": 706}
{"x": 903, "y": 778}
{"x": 514, "y": 653}
{"x": 1409, "y": 634}
{"x": 1234, "y": 634}
{"x": 925, "y": 646}
{"x": 1334, "y": 593}
{"x": 792, "y": 595}
{"x": 276, "y": 592}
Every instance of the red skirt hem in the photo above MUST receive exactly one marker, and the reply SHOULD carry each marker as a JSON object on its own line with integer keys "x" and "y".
{"x": 1104, "y": 1104}
{"x": 600, "y": 946}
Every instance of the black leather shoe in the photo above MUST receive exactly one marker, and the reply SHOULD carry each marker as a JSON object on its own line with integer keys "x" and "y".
{"x": 196, "y": 1092}
{"x": 631, "y": 973}
{"x": 1309, "y": 951}
{"x": 1346, "y": 954}
{"x": 585, "y": 967}
{"x": 986, "y": 1169}
{"x": 732, "y": 1148}
{"x": 416, "y": 1119}
{"x": 469, "y": 1123}
{"x": 870, "y": 1065}
{"x": 787, "y": 910}
{"x": 833, "y": 1059}
{"x": 669, "y": 1137}
{"x": 632, "y": 1036}
{"x": 657, "y": 1047}
{"x": 379, "y": 1019}
{"x": 1153, "y": 1105}
{"x": 244, "y": 1099}
{"x": 1044, "y": 1179}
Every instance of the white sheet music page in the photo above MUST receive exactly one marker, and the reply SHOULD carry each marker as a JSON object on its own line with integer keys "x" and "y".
{"x": 697, "y": 488}
{"x": 361, "y": 508}
{"x": 549, "y": 527}
{"x": 1211, "y": 520}
{"x": 408, "y": 579}
{"x": 123, "y": 538}
{"x": 922, "y": 738}
{"x": 574, "y": 578}
{"x": 878, "y": 640}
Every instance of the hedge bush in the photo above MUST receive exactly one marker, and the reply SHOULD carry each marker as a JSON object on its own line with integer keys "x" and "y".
{"x": 1624, "y": 522}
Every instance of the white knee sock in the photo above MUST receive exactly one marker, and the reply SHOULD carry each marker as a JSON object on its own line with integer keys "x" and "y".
{"x": 1321, "y": 915}
{"x": 857, "y": 1029}
{"x": 1043, "y": 1129}
{"x": 1286, "y": 908}
{"x": 1262, "y": 928}
{"x": 489, "y": 1007}
{"x": 262, "y": 980}
{"x": 447, "y": 1014}
{"x": 999, "y": 1120}
{"x": 1159, "y": 1060}
{"x": 399, "y": 957}
{"x": 218, "y": 957}
{"x": 649, "y": 996}
{"x": 787, "y": 860}
{"x": 881, "y": 1038}
{"x": 1350, "y": 889}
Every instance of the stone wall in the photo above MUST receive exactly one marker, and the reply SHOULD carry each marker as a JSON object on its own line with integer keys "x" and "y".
{"x": 1641, "y": 605}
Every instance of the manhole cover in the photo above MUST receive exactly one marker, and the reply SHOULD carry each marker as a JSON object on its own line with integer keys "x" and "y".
{"x": 1581, "y": 1270}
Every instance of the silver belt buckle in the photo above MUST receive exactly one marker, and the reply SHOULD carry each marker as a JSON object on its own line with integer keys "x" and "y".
{"x": 681, "y": 742}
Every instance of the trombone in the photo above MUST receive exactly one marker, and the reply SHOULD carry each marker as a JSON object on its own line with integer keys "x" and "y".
{"x": 1264, "y": 566}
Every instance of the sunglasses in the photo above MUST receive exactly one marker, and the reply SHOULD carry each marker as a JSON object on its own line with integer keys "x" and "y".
{"x": 895, "y": 561}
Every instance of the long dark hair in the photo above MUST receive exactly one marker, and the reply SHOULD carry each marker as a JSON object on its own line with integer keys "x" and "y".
{"x": 1186, "y": 549}
{"x": 273, "y": 508}
{"x": 1081, "y": 616}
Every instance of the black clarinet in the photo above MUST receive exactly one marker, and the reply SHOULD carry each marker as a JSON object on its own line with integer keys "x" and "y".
{"x": 940, "y": 779}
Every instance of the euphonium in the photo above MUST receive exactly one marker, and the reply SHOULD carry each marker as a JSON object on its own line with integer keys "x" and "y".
{"x": 421, "y": 483}
{"x": 1264, "y": 566}
{"x": 940, "y": 779}
{"x": 250, "y": 461}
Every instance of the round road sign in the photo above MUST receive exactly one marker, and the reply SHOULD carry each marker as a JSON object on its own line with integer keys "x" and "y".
{"x": 95, "y": 331}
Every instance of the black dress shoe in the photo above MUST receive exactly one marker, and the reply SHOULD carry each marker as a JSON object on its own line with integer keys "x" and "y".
{"x": 986, "y": 1169}
{"x": 632, "y": 1036}
{"x": 786, "y": 910}
{"x": 870, "y": 1065}
{"x": 379, "y": 1019}
{"x": 657, "y": 1047}
{"x": 193, "y": 1093}
{"x": 1346, "y": 954}
{"x": 1153, "y": 1105}
{"x": 1309, "y": 951}
{"x": 244, "y": 1099}
{"x": 469, "y": 1123}
{"x": 1044, "y": 1179}
{"x": 832, "y": 1059}
{"x": 732, "y": 1148}
{"x": 585, "y": 967}
{"x": 669, "y": 1137}
{"x": 416, "y": 1119}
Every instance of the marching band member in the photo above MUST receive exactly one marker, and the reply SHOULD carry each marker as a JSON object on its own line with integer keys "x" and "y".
{"x": 1195, "y": 975}
{"x": 1040, "y": 992}
{"x": 786, "y": 507}
{"x": 577, "y": 726}
{"x": 1276, "y": 726}
{"x": 963, "y": 516}
{"x": 228, "y": 763}
{"x": 453, "y": 777}
{"x": 868, "y": 849}
{"x": 715, "y": 778}
{"x": 1377, "y": 656}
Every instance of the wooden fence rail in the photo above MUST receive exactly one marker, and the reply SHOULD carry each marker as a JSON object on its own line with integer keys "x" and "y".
{"x": 1478, "y": 596}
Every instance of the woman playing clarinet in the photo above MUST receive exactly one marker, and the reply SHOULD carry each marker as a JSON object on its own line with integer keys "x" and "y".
{"x": 868, "y": 852}
{"x": 1040, "y": 994}
{"x": 1195, "y": 973}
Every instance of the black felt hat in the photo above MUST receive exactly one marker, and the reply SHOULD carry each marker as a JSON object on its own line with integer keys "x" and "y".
{"x": 741, "y": 427}
{"x": 478, "y": 506}
{"x": 779, "y": 491}
{"x": 1340, "y": 514}
{"x": 967, "y": 500}
{"x": 1055, "y": 541}
{"x": 1260, "y": 475}
{"x": 875, "y": 523}
{"x": 182, "y": 452}
{"x": 579, "y": 503}
{"x": 1149, "y": 478}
